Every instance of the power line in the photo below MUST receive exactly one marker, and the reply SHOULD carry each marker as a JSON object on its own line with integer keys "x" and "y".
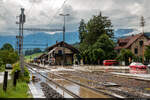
{"x": 30, "y": 8}
{"x": 58, "y": 11}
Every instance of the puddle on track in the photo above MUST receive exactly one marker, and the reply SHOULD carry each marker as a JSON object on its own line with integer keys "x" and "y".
{"x": 80, "y": 91}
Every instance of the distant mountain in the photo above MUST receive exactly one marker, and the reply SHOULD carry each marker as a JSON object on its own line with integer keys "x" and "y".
{"x": 41, "y": 39}
{"x": 120, "y": 33}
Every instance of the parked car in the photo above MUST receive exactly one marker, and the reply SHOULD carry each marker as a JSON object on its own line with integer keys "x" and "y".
{"x": 137, "y": 65}
{"x": 110, "y": 62}
{"x": 8, "y": 66}
{"x": 148, "y": 65}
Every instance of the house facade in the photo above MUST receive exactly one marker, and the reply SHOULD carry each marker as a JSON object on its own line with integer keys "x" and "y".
{"x": 61, "y": 53}
{"x": 136, "y": 43}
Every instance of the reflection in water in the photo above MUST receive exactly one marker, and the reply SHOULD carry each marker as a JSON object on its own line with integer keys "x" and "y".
{"x": 138, "y": 71}
{"x": 81, "y": 91}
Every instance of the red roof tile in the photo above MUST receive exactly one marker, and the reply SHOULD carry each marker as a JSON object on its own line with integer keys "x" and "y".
{"x": 129, "y": 40}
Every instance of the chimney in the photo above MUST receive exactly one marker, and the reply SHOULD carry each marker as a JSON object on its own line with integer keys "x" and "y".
{"x": 56, "y": 42}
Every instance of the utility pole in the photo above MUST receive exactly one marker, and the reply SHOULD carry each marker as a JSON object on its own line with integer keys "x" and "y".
{"x": 20, "y": 37}
{"x": 64, "y": 29}
{"x": 142, "y": 24}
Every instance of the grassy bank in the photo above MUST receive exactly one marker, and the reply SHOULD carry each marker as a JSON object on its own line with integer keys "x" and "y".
{"x": 20, "y": 91}
{"x": 27, "y": 58}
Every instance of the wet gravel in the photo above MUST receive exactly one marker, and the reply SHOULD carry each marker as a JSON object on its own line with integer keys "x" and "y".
{"x": 131, "y": 87}
{"x": 50, "y": 92}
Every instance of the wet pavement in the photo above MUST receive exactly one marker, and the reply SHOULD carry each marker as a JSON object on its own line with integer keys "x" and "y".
{"x": 36, "y": 88}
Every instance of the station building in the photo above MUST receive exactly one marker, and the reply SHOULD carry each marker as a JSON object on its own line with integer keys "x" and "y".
{"x": 60, "y": 53}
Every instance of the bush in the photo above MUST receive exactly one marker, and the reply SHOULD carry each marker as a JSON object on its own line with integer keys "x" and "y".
{"x": 2, "y": 68}
{"x": 25, "y": 77}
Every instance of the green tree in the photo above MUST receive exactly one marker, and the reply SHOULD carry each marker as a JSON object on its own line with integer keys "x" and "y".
{"x": 107, "y": 45}
{"x": 8, "y": 47}
{"x": 97, "y": 26}
{"x": 8, "y": 56}
{"x": 147, "y": 52}
{"x": 97, "y": 56}
{"x": 96, "y": 44}
{"x": 124, "y": 55}
{"x": 82, "y": 30}
{"x": 37, "y": 50}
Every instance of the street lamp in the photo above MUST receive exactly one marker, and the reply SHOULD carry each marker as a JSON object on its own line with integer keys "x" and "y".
{"x": 64, "y": 15}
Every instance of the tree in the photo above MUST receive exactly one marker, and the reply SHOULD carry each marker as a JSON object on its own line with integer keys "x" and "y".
{"x": 28, "y": 52}
{"x": 97, "y": 26}
{"x": 96, "y": 44}
{"x": 8, "y": 56}
{"x": 8, "y": 47}
{"x": 107, "y": 45}
{"x": 147, "y": 53}
{"x": 82, "y": 30}
{"x": 97, "y": 56}
{"x": 124, "y": 55}
{"x": 37, "y": 50}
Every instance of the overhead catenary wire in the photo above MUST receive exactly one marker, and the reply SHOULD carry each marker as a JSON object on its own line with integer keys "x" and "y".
{"x": 51, "y": 20}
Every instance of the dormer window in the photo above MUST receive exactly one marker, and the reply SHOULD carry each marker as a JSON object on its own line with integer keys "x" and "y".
{"x": 141, "y": 43}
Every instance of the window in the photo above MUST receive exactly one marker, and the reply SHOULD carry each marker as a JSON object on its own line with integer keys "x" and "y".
{"x": 60, "y": 52}
{"x": 141, "y": 43}
{"x": 136, "y": 51}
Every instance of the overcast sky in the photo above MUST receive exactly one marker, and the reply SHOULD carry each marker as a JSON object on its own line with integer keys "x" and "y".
{"x": 45, "y": 13}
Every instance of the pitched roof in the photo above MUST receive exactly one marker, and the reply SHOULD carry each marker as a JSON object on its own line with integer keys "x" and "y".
{"x": 129, "y": 40}
{"x": 133, "y": 39}
{"x": 61, "y": 45}
{"x": 147, "y": 43}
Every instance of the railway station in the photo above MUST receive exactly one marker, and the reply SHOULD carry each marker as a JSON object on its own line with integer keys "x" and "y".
{"x": 75, "y": 49}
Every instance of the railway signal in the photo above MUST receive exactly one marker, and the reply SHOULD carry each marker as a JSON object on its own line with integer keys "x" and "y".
{"x": 20, "y": 38}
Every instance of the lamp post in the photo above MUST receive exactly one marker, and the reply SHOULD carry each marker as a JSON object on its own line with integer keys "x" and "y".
{"x": 64, "y": 29}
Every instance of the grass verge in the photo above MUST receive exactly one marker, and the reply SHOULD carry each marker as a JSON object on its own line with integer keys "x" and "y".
{"x": 20, "y": 91}
{"x": 27, "y": 58}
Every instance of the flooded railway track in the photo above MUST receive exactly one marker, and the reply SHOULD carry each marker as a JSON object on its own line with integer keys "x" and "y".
{"x": 76, "y": 88}
{"x": 117, "y": 86}
{"x": 113, "y": 90}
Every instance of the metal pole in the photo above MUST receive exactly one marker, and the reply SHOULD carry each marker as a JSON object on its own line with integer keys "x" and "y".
{"x": 22, "y": 21}
{"x": 64, "y": 43}
{"x": 64, "y": 59}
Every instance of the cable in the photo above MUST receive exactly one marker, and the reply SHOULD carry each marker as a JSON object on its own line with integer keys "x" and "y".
{"x": 51, "y": 20}
{"x": 30, "y": 9}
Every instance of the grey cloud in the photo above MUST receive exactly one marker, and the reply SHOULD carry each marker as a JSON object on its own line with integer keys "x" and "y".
{"x": 35, "y": 1}
{"x": 123, "y": 13}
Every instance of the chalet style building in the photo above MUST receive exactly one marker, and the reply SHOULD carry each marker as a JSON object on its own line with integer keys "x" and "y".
{"x": 136, "y": 43}
{"x": 59, "y": 53}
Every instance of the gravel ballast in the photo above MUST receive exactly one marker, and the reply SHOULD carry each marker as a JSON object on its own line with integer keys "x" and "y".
{"x": 50, "y": 92}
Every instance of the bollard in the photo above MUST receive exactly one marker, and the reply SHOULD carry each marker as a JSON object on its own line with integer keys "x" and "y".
{"x": 5, "y": 81}
{"x": 15, "y": 78}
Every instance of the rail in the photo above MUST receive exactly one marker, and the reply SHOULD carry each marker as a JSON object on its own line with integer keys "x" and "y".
{"x": 114, "y": 95}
